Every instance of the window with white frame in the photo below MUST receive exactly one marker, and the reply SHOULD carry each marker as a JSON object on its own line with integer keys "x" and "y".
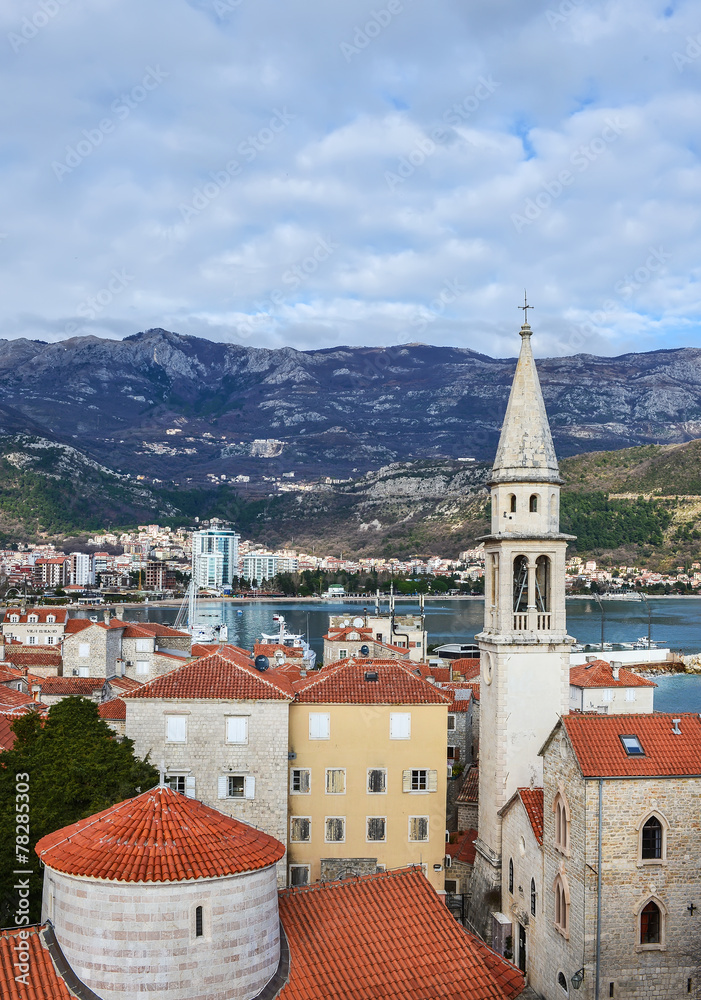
{"x": 319, "y": 726}
{"x": 183, "y": 783}
{"x": 237, "y": 786}
{"x": 342, "y": 654}
{"x": 377, "y": 829}
{"x": 377, "y": 780}
{"x": 83, "y": 650}
{"x": 451, "y": 722}
{"x": 299, "y": 875}
{"x": 418, "y": 829}
{"x": 143, "y": 645}
{"x": 335, "y": 829}
{"x": 176, "y": 729}
{"x": 400, "y": 725}
{"x": 300, "y": 781}
{"x": 335, "y": 780}
{"x": 33, "y": 619}
{"x": 142, "y": 667}
{"x": 14, "y": 618}
{"x": 300, "y": 829}
{"x": 50, "y": 619}
{"x": 420, "y": 779}
{"x": 237, "y": 729}
{"x": 630, "y": 694}
{"x": 32, "y": 640}
{"x": 50, "y": 640}
{"x": 606, "y": 694}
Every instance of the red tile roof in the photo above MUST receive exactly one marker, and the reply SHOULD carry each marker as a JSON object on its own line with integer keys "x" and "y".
{"x": 344, "y": 683}
{"x": 599, "y": 674}
{"x": 11, "y": 700}
{"x": 133, "y": 631}
{"x": 467, "y": 667}
{"x": 532, "y": 799}
{"x": 60, "y": 614}
{"x": 71, "y": 685}
{"x": 269, "y": 649}
{"x": 217, "y": 676}
{"x": 124, "y": 683}
{"x": 600, "y": 753}
{"x": 7, "y": 737}
{"x": 33, "y": 656}
{"x": 386, "y": 937}
{"x": 113, "y": 709}
{"x": 8, "y": 674}
{"x": 463, "y": 849}
{"x": 163, "y": 630}
{"x": 44, "y": 983}
{"x": 159, "y": 836}
{"x": 205, "y": 648}
{"x": 456, "y": 686}
{"x": 469, "y": 791}
{"x": 77, "y": 625}
{"x": 341, "y": 634}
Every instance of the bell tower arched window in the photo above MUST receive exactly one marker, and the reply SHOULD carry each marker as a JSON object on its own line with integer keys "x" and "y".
{"x": 511, "y": 875}
{"x": 512, "y": 503}
{"x": 533, "y": 503}
{"x": 520, "y": 583}
{"x": 542, "y": 583}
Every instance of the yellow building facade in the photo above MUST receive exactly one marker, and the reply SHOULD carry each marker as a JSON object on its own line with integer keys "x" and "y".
{"x": 367, "y": 783}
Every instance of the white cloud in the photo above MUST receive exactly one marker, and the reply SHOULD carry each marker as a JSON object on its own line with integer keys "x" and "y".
{"x": 261, "y": 139}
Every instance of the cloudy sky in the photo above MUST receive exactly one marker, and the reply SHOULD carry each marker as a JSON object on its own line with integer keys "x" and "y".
{"x": 310, "y": 173}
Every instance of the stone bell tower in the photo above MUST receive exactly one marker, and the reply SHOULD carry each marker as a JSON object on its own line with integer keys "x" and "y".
{"x": 524, "y": 646}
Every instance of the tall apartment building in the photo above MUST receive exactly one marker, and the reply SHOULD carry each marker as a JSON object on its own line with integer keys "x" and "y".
{"x": 266, "y": 565}
{"x": 215, "y": 557}
{"x": 82, "y": 573}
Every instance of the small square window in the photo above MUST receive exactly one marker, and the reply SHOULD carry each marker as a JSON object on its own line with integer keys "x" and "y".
{"x": 335, "y": 780}
{"x": 632, "y": 746}
{"x": 451, "y": 722}
{"x": 419, "y": 780}
{"x": 342, "y": 654}
{"x": 377, "y": 780}
{"x": 299, "y": 874}
{"x": 300, "y": 780}
{"x": 236, "y": 787}
{"x": 630, "y": 694}
{"x": 237, "y": 729}
{"x": 300, "y": 829}
{"x": 32, "y": 640}
{"x": 177, "y": 782}
{"x": 400, "y": 725}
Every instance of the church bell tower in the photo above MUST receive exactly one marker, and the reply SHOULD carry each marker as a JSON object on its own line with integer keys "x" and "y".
{"x": 524, "y": 646}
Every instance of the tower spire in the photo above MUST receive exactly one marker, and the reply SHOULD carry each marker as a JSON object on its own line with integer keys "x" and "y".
{"x": 525, "y": 451}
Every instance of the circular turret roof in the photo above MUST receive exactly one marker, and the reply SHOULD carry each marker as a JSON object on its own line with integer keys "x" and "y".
{"x": 159, "y": 836}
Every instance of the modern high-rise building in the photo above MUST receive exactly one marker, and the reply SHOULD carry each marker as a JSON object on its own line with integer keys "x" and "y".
{"x": 215, "y": 557}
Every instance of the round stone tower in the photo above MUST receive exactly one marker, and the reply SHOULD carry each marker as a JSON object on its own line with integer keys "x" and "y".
{"x": 162, "y": 895}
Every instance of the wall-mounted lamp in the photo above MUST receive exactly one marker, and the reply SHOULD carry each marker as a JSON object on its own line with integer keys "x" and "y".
{"x": 577, "y": 979}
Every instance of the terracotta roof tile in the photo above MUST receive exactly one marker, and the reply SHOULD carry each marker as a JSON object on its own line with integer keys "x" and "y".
{"x": 469, "y": 791}
{"x": 159, "y": 836}
{"x": 44, "y": 982}
{"x": 454, "y": 687}
{"x": 60, "y": 614}
{"x": 33, "y": 656}
{"x": 205, "y": 648}
{"x": 115, "y": 708}
{"x": 124, "y": 683}
{"x": 463, "y": 849}
{"x": 467, "y": 667}
{"x": 386, "y": 937}
{"x": 596, "y": 740}
{"x": 8, "y": 673}
{"x": 71, "y": 685}
{"x": 163, "y": 630}
{"x": 341, "y": 634}
{"x": 7, "y": 737}
{"x": 269, "y": 649}
{"x": 11, "y": 700}
{"x": 75, "y": 625}
{"x": 532, "y": 799}
{"x": 460, "y": 704}
{"x": 344, "y": 683}
{"x": 599, "y": 674}
{"x": 217, "y": 676}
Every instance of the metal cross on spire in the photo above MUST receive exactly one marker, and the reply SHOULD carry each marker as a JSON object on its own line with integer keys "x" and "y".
{"x": 525, "y": 307}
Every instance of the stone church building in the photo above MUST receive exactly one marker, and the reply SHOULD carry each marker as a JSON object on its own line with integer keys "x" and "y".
{"x": 589, "y": 836}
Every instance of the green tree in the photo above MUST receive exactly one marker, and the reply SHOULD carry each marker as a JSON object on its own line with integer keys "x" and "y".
{"x": 76, "y": 766}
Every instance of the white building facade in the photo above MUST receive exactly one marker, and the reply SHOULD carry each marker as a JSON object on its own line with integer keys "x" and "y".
{"x": 215, "y": 557}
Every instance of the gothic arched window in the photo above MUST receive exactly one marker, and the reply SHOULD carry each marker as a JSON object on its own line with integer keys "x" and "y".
{"x": 650, "y": 924}
{"x": 511, "y": 874}
{"x": 562, "y": 823}
{"x": 512, "y": 503}
{"x": 651, "y": 841}
{"x": 533, "y": 897}
{"x": 562, "y": 905}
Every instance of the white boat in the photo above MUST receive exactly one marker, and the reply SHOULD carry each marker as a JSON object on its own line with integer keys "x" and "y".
{"x": 644, "y": 643}
{"x": 293, "y": 640}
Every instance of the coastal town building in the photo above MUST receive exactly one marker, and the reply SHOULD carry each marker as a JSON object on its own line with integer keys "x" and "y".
{"x": 599, "y": 686}
{"x": 215, "y": 557}
{"x": 367, "y": 775}
{"x": 35, "y": 626}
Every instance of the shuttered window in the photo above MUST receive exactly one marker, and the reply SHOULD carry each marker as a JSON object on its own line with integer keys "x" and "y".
{"x": 400, "y": 725}
{"x": 319, "y": 726}
{"x": 300, "y": 829}
{"x": 237, "y": 729}
{"x": 335, "y": 829}
{"x": 420, "y": 779}
{"x": 418, "y": 828}
{"x": 236, "y": 786}
{"x": 377, "y": 828}
{"x": 335, "y": 780}
{"x": 377, "y": 780}
{"x": 300, "y": 780}
{"x": 176, "y": 728}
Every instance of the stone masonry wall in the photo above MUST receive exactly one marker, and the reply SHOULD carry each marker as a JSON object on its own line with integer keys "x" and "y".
{"x": 521, "y": 847}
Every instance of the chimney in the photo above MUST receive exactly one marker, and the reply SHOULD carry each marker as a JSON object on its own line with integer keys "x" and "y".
{"x": 591, "y": 658}
{"x": 107, "y": 615}
{"x": 120, "y": 612}
{"x": 616, "y": 668}
{"x": 675, "y": 727}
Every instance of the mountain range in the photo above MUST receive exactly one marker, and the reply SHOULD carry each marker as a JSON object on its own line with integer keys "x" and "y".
{"x": 176, "y": 408}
